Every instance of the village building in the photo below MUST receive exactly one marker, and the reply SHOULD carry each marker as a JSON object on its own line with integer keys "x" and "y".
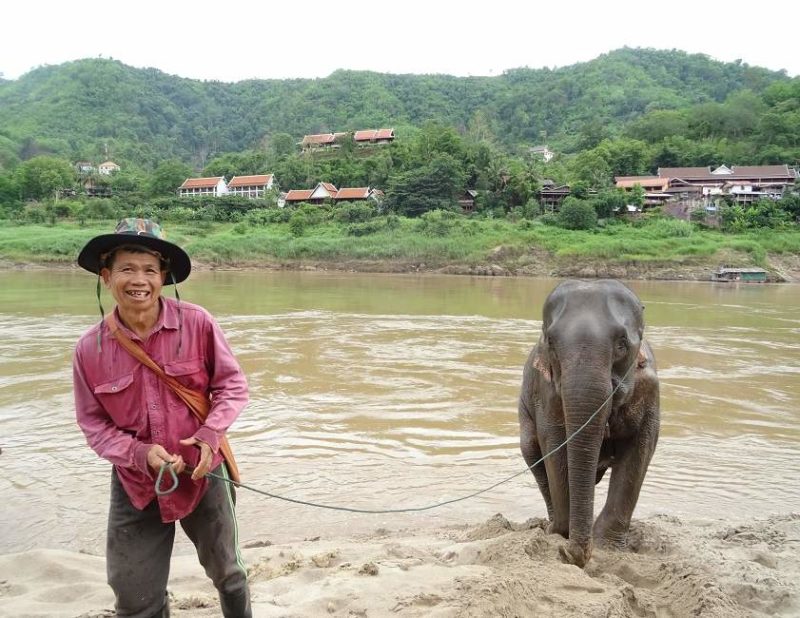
{"x": 253, "y": 187}
{"x": 655, "y": 188}
{"x": 467, "y": 201}
{"x": 107, "y": 168}
{"x": 373, "y": 136}
{"x": 542, "y": 152}
{"x": 326, "y": 191}
{"x": 214, "y": 186}
{"x": 551, "y": 195}
{"x": 321, "y": 141}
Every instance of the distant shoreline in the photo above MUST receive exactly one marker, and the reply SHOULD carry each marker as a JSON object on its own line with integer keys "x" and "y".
{"x": 782, "y": 269}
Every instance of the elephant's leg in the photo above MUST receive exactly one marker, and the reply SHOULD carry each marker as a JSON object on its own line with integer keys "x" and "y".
{"x": 627, "y": 475}
{"x": 558, "y": 482}
{"x": 532, "y": 453}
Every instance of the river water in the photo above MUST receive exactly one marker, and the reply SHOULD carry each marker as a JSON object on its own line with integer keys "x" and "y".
{"x": 387, "y": 391}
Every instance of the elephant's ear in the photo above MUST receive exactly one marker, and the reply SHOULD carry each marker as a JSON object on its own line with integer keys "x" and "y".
{"x": 540, "y": 365}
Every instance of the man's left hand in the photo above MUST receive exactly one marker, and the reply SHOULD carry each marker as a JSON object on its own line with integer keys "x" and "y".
{"x": 206, "y": 454}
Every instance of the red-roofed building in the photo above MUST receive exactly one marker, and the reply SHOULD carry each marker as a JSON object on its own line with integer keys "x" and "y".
{"x": 374, "y": 136}
{"x": 746, "y": 183}
{"x": 295, "y": 196}
{"x": 214, "y": 185}
{"x": 322, "y": 141}
{"x": 251, "y": 186}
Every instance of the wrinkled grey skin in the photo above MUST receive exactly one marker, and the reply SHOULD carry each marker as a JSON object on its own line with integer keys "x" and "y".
{"x": 591, "y": 335}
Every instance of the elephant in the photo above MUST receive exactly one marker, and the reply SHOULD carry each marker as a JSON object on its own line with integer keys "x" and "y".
{"x": 591, "y": 346}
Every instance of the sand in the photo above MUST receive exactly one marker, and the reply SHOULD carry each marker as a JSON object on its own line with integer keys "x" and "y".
{"x": 672, "y": 568}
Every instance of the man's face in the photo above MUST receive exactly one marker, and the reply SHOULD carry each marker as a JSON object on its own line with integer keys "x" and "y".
{"x": 135, "y": 280}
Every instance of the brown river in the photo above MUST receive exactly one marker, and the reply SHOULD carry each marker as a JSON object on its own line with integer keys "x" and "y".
{"x": 388, "y": 392}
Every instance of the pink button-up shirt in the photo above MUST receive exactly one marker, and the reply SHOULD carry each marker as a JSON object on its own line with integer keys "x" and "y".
{"x": 123, "y": 408}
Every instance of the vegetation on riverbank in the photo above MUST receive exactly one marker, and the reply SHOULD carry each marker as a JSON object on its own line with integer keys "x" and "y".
{"x": 435, "y": 241}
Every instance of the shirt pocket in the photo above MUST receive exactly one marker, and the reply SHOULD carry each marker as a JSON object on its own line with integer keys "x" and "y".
{"x": 191, "y": 373}
{"x": 118, "y": 398}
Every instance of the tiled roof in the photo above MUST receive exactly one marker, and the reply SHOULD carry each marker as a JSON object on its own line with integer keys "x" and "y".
{"x": 258, "y": 180}
{"x": 329, "y": 187}
{"x": 762, "y": 170}
{"x": 367, "y": 135}
{"x": 625, "y": 182}
{"x": 299, "y": 195}
{"x": 108, "y": 164}
{"x": 352, "y": 193}
{"x": 319, "y": 138}
{"x": 201, "y": 183}
{"x": 744, "y": 171}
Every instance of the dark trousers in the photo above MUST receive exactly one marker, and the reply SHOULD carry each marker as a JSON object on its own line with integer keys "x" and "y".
{"x": 139, "y": 548}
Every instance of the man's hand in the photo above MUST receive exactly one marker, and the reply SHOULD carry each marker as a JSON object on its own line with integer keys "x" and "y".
{"x": 157, "y": 456}
{"x": 206, "y": 454}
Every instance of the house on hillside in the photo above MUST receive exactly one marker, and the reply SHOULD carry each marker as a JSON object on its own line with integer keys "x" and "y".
{"x": 108, "y": 168}
{"x": 327, "y": 191}
{"x": 84, "y": 167}
{"x": 321, "y": 141}
{"x": 745, "y": 184}
{"x": 323, "y": 191}
{"x": 253, "y": 187}
{"x": 655, "y": 188}
{"x": 373, "y": 136}
{"x": 551, "y": 195}
{"x": 542, "y": 152}
{"x": 467, "y": 201}
{"x": 214, "y": 185}
{"x": 358, "y": 194}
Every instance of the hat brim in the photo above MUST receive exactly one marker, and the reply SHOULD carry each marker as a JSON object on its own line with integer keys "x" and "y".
{"x": 178, "y": 262}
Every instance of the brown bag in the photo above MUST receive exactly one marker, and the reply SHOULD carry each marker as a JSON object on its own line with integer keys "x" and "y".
{"x": 198, "y": 403}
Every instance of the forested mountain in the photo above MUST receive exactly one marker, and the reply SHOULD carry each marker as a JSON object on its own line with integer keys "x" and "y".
{"x": 98, "y": 108}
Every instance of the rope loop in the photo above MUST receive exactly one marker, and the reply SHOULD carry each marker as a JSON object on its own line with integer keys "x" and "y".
{"x": 165, "y": 492}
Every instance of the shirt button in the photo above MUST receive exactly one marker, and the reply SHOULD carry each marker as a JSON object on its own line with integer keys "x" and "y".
{"x": 113, "y": 388}
{"x": 153, "y": 406}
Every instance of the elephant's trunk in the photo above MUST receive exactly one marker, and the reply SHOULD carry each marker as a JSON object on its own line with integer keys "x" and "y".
{"x": 585, "y": 390}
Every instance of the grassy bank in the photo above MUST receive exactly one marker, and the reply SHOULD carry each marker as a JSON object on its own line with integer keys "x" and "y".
{"x": 398, "y": 242}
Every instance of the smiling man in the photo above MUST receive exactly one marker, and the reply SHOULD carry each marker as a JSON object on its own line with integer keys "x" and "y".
{"x": 134, "y": 419}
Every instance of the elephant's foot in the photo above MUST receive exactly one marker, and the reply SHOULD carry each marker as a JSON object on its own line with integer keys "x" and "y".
{"x": 575, "y": 553}
{"x": 613, "y": 536}
{"x": 554, "y": 528}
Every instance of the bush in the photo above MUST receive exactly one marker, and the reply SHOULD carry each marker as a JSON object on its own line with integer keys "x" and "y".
{"x": 669, "y": 228}
{"x": 355, "y": 213}
{"x": 366, "y": 228}
{"x": 437, "y": 222}
{"x": 577, "y": 215}
{"x": 298, "y": 223}
{"x": 266, "y": 216}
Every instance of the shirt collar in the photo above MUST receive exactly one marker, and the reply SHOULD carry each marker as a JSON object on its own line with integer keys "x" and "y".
{"x": 167, "y": 317}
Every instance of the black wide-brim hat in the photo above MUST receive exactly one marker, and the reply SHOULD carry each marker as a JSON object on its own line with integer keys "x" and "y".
{"x": 132, "y": 231}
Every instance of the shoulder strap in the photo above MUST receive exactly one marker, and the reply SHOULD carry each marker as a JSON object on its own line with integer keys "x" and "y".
{"x": 196, "y": 401}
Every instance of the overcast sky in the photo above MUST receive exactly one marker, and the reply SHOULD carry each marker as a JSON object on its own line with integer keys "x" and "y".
{"x": 235, "y": 40}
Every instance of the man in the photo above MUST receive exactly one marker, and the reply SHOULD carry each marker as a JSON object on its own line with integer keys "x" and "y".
{"x": 132, "y": 418}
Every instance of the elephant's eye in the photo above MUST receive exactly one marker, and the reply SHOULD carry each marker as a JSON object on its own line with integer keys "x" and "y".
{"x": 622, "y": 345}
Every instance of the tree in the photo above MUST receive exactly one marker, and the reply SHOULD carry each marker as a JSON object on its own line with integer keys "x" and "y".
{"x": 576, "y": 214}
{"x": 168, "y": 176}
{"x": 43, "y": 176}
{"x": 428, "y": 187}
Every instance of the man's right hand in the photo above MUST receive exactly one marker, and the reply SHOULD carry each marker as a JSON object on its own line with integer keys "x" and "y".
{"x": 157, "y": 456}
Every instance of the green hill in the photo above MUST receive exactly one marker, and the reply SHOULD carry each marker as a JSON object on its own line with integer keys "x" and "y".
{"x": 90, "y": 109}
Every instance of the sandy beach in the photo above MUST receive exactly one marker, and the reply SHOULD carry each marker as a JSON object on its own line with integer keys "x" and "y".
{"x": 672, "y": 568}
